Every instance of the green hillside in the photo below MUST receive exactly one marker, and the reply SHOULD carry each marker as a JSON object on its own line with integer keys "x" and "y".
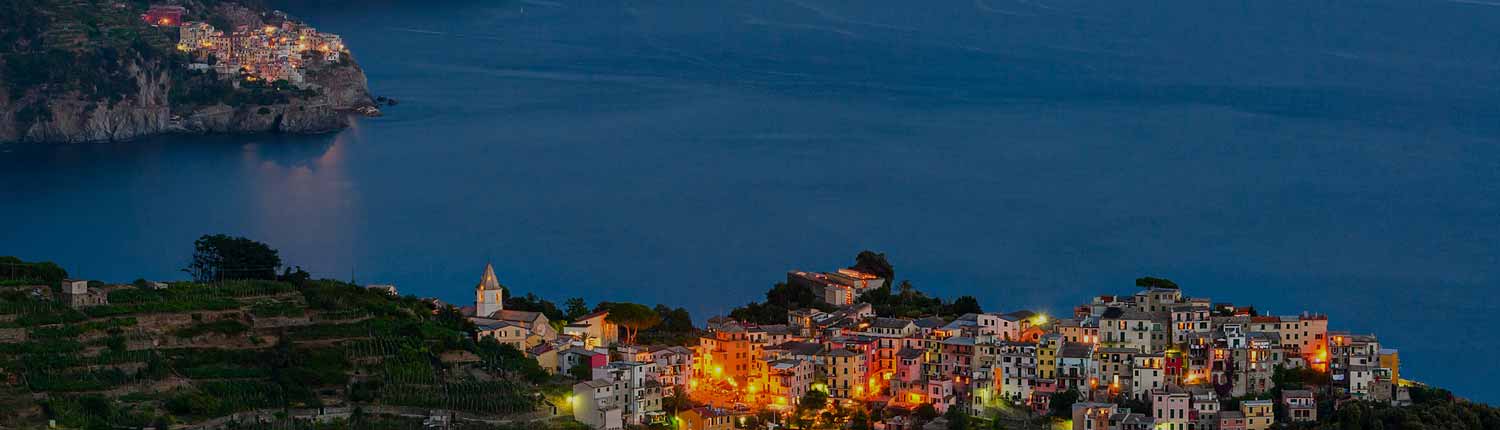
{"x": 194, "y": 352}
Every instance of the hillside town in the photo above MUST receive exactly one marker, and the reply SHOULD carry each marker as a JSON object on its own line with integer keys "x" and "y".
{"x": 267, "y": 53}
{"x": 1150, "y": 359}
{"x": 861, "y": 355}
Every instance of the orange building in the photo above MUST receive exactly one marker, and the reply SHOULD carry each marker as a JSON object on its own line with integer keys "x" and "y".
{"x": 705, "y": 418}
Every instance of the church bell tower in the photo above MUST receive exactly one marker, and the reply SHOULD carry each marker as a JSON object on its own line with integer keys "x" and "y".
{"x": 488, "y": 298}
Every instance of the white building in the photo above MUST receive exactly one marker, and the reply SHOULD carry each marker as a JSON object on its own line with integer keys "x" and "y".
{"x": 628, "y": 390}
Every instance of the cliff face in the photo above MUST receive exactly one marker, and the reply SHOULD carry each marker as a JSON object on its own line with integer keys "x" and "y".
{"x": 75, "y": 119}
{"x": 341, "y": 90}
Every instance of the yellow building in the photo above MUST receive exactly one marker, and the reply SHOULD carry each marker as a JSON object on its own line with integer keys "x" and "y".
{"x": 545, "y": 356}
{"x": 511, "y": 333}
{"x": 845, "y": 372}
{"x": 1258, "y": 414}
{"x": 1046, "y": 356}
{"x": 1391, "y": 359}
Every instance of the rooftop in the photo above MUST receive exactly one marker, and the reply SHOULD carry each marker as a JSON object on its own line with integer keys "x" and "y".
{"x": 892, "y": 323}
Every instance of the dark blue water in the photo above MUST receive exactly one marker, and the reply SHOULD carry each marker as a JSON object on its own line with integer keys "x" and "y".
{"x": 1341, "y": 157}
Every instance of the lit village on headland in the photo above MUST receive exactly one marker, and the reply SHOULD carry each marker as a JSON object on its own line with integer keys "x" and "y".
{"x": 1155, "y": 358}
{"x": 270, "y": 53}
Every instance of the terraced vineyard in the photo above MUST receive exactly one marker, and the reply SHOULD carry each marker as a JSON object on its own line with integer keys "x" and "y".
{"x": 193, "y": 353}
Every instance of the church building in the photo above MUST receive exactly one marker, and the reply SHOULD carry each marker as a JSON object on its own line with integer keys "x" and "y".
{"x": 520, "y": 329}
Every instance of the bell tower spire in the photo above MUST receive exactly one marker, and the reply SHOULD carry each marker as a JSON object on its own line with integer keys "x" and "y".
{"x": 488, "y": 298}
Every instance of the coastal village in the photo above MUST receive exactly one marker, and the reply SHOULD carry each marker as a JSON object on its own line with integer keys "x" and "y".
{"x": 1179, "y": 360}
{"x": 1153, "y": 358}
{"x": 269, "y": 53}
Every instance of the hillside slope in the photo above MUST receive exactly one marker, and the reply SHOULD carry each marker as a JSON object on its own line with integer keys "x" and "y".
{"x": 198, "y": 353}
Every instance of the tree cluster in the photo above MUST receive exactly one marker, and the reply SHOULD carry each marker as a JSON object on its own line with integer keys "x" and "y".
{"x": 874, "y": 263}
{"x": 1431, "y": 409}
{"x": 781, "y": 298}
{"x": 532, "y": 303}
{"x": 1152, "y": 282}
{"x": 46, "y": 272}
{"x": 908, "y": 302}
{"x": 221, "y": 257}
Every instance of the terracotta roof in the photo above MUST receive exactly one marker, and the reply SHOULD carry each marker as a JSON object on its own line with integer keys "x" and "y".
{"x": 883, "y": 322}
{"x": 510, "y": 315}
{"x": 930, "y": 322}
{"x": 1018, "y": 315}
{"x": 590, "y": 316}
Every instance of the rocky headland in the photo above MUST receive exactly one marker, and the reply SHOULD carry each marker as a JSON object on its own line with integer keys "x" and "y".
{"x": 75, "y": 72}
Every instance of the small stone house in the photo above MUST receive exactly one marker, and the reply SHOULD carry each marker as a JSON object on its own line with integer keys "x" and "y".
{"x": 78, "y": 294}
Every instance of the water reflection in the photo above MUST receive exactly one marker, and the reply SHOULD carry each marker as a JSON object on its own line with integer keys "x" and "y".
{"x": 304, "y": 198}
{"x": 143, "y": 202}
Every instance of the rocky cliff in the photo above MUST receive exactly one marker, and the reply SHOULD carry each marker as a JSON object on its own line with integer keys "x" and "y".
{"x": 73, "y": 118}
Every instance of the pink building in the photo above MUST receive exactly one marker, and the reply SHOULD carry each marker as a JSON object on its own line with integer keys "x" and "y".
{"x": 1231, "y": 420}
{"x": 164, "y": 16}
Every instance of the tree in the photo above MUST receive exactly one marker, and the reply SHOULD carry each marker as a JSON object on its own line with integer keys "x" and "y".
{"x": 1150, "y": 282}
{"x": 581, "y": 371}
{"x": 46, "y": 271}
{"x": 296, "y": 277}
{"x": 926, "y": 412}
{"x": 860, "y": 420}
{"x": 792, "y": 296}
{"x": 674, "y": 321}
{"x": 531, "y": 303}
{"x": 957, "y": 418}
{"x": 676, "y": 327}
{"x": 632, "y": 318}
{"x": 1062, "y": 403}
{"x": 813, "y": 400}
{"x": 874, "y": 263}
{"x": 576, "y": 307}
{"x": 965, "y": 305}
{"x": 217, "y": 257}
{"x": 780, "y": 298}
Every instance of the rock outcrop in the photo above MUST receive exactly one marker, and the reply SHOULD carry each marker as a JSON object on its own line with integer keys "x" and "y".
{"x": 342, "y": 92}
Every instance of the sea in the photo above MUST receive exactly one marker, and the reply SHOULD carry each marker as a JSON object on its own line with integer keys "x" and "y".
{"x": 1335, "y": 157}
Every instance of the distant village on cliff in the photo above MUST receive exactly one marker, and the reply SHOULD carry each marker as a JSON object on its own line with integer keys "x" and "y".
{"x": 270, "y": 53}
